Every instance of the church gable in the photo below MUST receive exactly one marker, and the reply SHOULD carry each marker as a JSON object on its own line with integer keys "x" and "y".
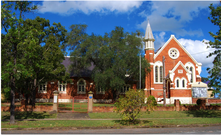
{"x": 179, "y": 71}
{"x": 174, "y": 52}
{"x": 180, "y": 76}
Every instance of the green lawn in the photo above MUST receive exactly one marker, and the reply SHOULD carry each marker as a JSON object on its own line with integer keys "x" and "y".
{"x": 28, "y": 115}
{"x": 78, "y": 107}
{"x": 162, "y": 114}
{"x": 108, "y": 123}
{"x": 46, "y": 104}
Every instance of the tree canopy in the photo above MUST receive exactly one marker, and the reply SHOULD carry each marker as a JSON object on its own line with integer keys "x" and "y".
{"x": 114, "y": 54}
{"x": 215, "y": 71}
{"x": 31, "y": 51}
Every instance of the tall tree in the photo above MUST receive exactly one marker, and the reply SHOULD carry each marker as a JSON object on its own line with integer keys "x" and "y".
{"x": 43, "y": 56}
{"x": 215, "y": 71}
{"x": 114, "y": 55}
{"x": 12, "y": 27}
{"x": 31, "y": 52}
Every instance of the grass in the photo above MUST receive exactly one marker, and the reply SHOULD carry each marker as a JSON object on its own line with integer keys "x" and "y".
{"x": 28, "y": 115}
{"x": 78, "y": 107}
{"x": 162, "y": 114}
{"x": 47, "y": 104}
{"x": 100, "y": 104}
{"x": 108, "y": 123}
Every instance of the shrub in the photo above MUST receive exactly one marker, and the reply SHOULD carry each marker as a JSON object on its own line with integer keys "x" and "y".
{"x": 151, "y": 103}
{"x": 129, "y": 107}
{"x": 199, "y": 102}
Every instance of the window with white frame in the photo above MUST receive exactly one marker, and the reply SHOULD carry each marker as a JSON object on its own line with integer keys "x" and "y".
{"x": 180, "y": 83}
{"x": 42, "y": 88}
{"x": 62, "y": 87}
{"x": 191, "y": 70}
{"x": 190, "y": 67}
{"x": 81, "y": 86}
{"x": 161, "y": 73}
{"x": 158, "y": 73}
{"x": 100, "y": 91}
{"x": 173, "y": 53}
{"x": 183, "y": 83}
{"x": 124, "y": 89}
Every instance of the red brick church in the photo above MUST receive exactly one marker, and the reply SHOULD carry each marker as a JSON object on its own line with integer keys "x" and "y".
{"x": 182, "y": 72}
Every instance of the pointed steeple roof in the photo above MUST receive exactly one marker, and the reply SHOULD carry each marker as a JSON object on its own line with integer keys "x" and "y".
{"x": 148, "y": 33}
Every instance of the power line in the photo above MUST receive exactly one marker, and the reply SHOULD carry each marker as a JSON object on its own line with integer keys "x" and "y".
{"x": 201, "y": 52}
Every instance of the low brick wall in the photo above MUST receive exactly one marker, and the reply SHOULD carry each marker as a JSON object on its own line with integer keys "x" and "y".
{"x": 22, "y": 108}
{"x": 210, "y": 100}
{"x": 195, "y": 107}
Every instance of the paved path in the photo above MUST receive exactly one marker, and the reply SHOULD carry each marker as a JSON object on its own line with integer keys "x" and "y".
{"x": 174, "y": 130}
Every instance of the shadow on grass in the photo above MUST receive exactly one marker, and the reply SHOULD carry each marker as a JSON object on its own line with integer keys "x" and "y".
{"x": 27, "y": 115}
{"x": 205, "y": 113}
{"x": 126, "y": 122}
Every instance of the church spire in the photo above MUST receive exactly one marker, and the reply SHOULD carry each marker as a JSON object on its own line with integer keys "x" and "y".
{"x": 149, "y": 39}
{"x": 148, "y": 33}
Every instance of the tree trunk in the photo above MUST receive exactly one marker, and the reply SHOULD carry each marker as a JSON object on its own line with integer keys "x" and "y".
{"x": 115, "y": 95}
{"x": 12, "y": 107}
{"x": 26, "y": 99}
{"x": 33, "y": 94}
{"x": 12, "y": 98}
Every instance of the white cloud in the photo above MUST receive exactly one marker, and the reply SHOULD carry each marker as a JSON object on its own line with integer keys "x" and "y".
{"x": 173, "y": 16}
{"x": 159, "y": 40}
{"x": 87, "y": 7}
{"x": 198, "y": 50}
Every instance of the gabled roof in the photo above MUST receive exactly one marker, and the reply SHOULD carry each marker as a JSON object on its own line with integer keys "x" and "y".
{"x": 171, "y": 72}
{"x": 177, "y": 65}
{"x": 84, "y": 72}
{"x": 173, "y": 37}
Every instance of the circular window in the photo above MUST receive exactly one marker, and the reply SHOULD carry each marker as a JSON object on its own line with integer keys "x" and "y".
{"x": 173, "y": 53}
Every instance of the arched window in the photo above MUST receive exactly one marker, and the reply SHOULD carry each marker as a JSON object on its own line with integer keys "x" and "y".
{"x": 62, "y": 87}
{"x": 177, "y": 83}
{"x": 161, "y": 73}
{"x": 183, "y": 83}
{"x": 156, "y": 74}
{"x": 42, "y": 88}
{"x": 191, "y": 79}
{"x": 81, "y": 84}
{"x": 192, "y": 76}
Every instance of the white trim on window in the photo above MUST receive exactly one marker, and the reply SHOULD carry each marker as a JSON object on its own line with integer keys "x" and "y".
{"x": 177, "y": 83}
{"x": 173, "y": 53}
{"x": 125, "y": 88}
{"x": 180, "y": 81}
{"x": 184, "y": 83}
{"x": 42, "y": 88}
{"x": 62, "y": 87}
{"x": 81, "y": 88}
{"x": 192, "y": 78}
{"x": 100, "y": 91}
{"x": 158, "y": 72}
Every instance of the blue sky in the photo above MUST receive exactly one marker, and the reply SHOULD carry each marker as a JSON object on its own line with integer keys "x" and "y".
{"x": 187, "y": 20}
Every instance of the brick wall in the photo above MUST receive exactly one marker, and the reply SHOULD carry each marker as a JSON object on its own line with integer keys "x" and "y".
{"x": 210, "y": 100}
{"x": 169, "y": 65}
{"x": 180, "y": 93}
